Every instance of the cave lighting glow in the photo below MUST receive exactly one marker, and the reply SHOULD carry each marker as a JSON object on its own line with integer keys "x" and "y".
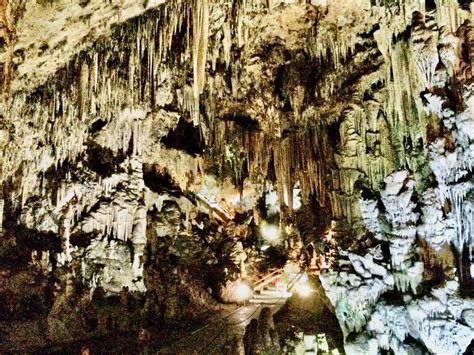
{"x": 309, "y": 341}
{"x": 270, "y": 232}
{"x": 304, "y": 290}
{"x": 243, "y": 291}
{"x": 302, "y": 287}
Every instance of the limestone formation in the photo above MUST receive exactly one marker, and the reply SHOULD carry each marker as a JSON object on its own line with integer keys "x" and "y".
{"x": 155, "y": 155}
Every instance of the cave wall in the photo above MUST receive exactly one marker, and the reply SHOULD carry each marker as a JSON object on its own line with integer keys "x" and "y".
{"x": 109, "y": 108}
{"x": 408, "y": 288}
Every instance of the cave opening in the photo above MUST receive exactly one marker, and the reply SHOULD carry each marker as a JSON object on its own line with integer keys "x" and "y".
{"x": 185, "y": 137}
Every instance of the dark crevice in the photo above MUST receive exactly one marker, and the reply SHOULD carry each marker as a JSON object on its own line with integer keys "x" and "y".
{"x": 27, "y": 240}
{"x": 431, "y": 5}
{"x": 243, "y": 121}
{"x": 334, "y": 135}
{"x": 464, "y": 4}
{"x": 185, "y": 137}
{"x": 103, "y": 161}
{"x": 97, "y": 125}
{"x": 159, "y": 181}
{"x": 81, "y": 239}
{"x": 470, "y": 349}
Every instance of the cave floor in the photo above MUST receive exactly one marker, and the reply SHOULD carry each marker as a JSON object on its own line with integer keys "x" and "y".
{"x": 219, "y": 335}
{"x": 216, "y": 335}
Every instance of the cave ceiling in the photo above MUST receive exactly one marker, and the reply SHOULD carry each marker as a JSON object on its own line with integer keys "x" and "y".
{"x": 124, "y": 123}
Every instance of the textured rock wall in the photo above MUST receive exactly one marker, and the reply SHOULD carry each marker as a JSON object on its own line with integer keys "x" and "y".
{"x": 108, "y": 105}
{"x": 421, "y": 217}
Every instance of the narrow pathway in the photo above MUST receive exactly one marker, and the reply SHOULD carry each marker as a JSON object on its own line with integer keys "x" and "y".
{"x": 217, "y": 336}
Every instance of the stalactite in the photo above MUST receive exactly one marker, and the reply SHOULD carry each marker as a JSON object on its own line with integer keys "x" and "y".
{"x": 297, "y": 158}
{"x": 8, "y": 14}
{"x": 448, "y": 13}
{"x": 333, "y": 46}
{"x": 424, "y": 43}
{"x": 83, "y": 89}
{"x": 200, "y": 44}
{"x": 102, "y": 87}
{"x": 227, "y": 43}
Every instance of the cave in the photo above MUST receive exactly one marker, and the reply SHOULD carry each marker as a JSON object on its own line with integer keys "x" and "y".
{"x": 237, "y": 177}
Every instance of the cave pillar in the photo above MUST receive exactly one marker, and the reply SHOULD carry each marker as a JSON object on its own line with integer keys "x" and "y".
{"x": 46, "y": 266}
{"x": 69, "y": 289}
{"x": 65, "y": 256}
{"x": 139, "y": 237}
{"x": 66, "y": 234}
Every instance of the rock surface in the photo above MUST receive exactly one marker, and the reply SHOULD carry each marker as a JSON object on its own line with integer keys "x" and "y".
{"x": 144, "y": 144}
